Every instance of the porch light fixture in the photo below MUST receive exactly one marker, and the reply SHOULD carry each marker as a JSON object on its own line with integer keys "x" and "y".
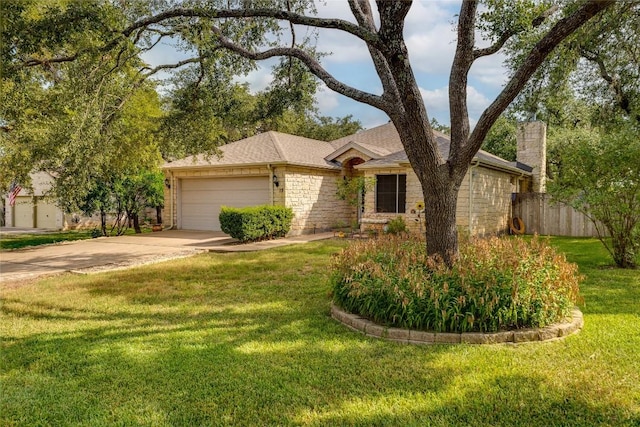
{"x": 275, "y": 181}
{"x": 167, "y": 183}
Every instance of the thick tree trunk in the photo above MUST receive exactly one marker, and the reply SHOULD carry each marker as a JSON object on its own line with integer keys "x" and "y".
{"x": 440, "y": 220}
{"x": 159, "y": 214}
{"x": 440, "y": 183}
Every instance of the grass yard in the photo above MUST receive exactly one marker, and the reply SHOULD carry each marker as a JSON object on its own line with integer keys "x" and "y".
{"x": 23, "y": 240}
{"x": 17, "y": 241}
{"x": 246, "y": 339}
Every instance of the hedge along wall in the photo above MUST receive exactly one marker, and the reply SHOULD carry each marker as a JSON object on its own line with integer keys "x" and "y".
{"x": 256, "y": 222}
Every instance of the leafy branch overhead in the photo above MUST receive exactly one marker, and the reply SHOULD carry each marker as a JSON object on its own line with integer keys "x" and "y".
{"x": 228, "y": 36}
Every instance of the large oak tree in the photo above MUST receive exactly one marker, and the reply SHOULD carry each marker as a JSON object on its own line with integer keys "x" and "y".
{"x": 255, "y": 30}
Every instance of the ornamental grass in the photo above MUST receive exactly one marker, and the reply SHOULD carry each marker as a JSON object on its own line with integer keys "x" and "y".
{"x": 497, "y": 283}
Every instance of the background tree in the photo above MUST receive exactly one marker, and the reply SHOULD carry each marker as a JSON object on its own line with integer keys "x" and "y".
{"x": 256, "y": 30}
{"x": 600, "y": 176}
{"x": 501, "y": 138}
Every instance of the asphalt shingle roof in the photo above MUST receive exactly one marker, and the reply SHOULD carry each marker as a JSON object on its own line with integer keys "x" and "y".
{"x": 276, "y": 147}
{"x": 267, "y": 147}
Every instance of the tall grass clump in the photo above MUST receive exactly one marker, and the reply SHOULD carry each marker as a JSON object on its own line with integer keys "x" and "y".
{"x": 496, "y": 284}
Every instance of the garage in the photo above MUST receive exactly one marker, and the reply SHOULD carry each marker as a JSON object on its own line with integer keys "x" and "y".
{"x": 201, "y": 199}
{"x": 23, "y": 212}
{"x": 47, "y": 215}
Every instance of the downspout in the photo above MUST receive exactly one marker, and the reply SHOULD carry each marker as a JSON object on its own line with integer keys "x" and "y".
{"x": 172, "y": 190}
{"x": 477, "y": 162}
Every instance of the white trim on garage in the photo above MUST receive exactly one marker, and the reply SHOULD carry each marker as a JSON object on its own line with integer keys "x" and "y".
{"x": 200, "y": 199}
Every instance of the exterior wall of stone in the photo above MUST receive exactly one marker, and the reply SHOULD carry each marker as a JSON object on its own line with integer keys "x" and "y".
{"x": 413, "y": 218}
{"x": 311, "y": 194}
{"x": 171, "y": 195}
{"x": 490, "y": 201}
{"x": 531, "y": 138}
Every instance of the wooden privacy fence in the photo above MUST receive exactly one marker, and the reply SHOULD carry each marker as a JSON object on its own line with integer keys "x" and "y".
{"x": 544, "y": 216}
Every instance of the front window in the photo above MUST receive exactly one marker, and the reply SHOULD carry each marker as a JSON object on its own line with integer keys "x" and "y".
{"x": 391, "y": 193}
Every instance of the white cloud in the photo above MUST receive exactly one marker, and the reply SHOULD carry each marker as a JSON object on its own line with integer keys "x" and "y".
{"x": 490, "y": 71}
{"x": 430, "y": 37}
{"x": 437, "y": 102}
{"x": 326, "y": 100}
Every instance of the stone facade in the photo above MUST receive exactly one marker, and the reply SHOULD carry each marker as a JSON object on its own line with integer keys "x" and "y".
{"x": 311, "y": 194}
{"x": 487, "y": 207}
{"x": 484, "y": 200}
{"x": 532, "y": 148}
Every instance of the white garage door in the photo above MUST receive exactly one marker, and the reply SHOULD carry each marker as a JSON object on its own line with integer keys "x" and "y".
{"x": 47, "y": 214}
{"x": 23, "y": 212}
{"x": 201, "y": 199}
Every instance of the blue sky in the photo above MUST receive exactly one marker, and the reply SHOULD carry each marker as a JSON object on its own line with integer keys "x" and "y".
{"x": 430, "y": 37}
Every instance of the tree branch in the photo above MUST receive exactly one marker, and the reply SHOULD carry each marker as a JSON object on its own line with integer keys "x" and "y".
{"x": 361, "y": 9}
{"x": 159, "y": 68}
{"x": 504, "y": 37}
{"x": 32, "y": 62}
{"x": 622, "y": 99}
{"x": 458, "y": 79}
{"x": 313, "y": 65}
{"x": 560, "y": 31}
{"x": 294, "y": 18}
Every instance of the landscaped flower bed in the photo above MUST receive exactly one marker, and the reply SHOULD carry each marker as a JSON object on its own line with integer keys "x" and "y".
{"x": 496, "y": 284}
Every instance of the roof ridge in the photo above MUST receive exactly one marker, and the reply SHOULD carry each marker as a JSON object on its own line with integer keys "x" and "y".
{"x": 276, "y": 143}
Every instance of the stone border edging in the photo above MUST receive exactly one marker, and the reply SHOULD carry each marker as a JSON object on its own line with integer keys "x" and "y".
{"x": 408, "y": 336}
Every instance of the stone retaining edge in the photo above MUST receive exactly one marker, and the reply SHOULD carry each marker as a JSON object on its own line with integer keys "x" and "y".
{"x": 408, "y": 336}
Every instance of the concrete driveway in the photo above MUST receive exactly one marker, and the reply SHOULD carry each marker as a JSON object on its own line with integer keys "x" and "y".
{"x": 105, "y": 253}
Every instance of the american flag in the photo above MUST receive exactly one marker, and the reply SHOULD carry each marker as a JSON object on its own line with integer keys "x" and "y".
{"x": 13, "y": 193}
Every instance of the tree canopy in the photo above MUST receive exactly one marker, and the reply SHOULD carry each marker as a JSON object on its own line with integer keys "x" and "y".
{"x": 260, "y": 29}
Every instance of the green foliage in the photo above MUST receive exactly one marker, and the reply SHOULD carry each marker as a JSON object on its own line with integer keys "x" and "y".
{"x": 435, "y": 125}
{"x": 256, "y": 222}
{"x": 17, "y": 241}
{"x": 496, "y": 284}
{"x": 396, "y": 226}
{"x": 501, "y": 139}
{"x": 599, "y": 175}
{"x": 350, "y": 189}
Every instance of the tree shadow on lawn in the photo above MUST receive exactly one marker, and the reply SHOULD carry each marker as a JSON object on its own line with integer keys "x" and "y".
{"x": 230, "y": 367}
{"x": 193, "y": 374}
{"x": 203, "y": 346}
{"x": 216, "y": 368}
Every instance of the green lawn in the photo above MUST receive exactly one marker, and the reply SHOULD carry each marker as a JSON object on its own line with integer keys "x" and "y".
{"x": 246, "y": 339}
{"x": 18, "y": 241}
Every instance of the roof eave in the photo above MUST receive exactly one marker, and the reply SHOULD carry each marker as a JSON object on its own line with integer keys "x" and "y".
{"x": 168, "y": 167}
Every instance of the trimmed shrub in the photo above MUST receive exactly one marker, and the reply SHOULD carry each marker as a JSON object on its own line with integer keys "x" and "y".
{"x": 396, "y": 226}
{"x": 256, "y": 222}
{"x": 496, "y": 284}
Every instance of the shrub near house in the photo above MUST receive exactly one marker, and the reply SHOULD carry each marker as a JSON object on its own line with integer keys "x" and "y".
{"x": 256, "y": 222}
{"x": 496, "y": 284}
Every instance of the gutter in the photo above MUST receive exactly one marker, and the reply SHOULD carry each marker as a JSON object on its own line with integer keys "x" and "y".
{"x": 471, "y": 169}
{"x": 169, "y": 166}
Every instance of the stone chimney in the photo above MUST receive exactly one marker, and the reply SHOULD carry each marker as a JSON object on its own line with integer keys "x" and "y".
{"x": 532, "y": 151}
